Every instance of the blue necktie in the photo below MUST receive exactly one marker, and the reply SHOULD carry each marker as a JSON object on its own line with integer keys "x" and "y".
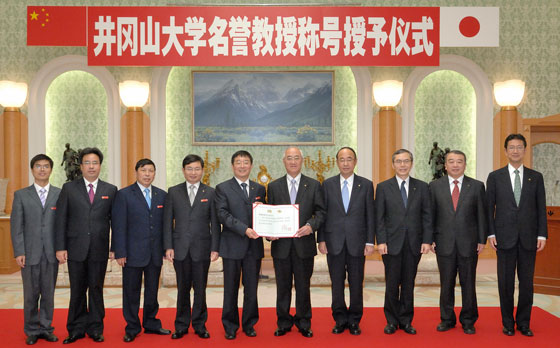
{"x": 403, "y": 193}
{"x": 345, "y": 196}
{"x": 293, "y": 192}
{"x": 148, "y": 199}
{"x": 43, "y": 196}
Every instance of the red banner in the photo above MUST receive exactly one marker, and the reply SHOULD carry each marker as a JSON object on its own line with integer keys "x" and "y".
{"x": 263, "y": 36}
{"x": 56, "y": 25}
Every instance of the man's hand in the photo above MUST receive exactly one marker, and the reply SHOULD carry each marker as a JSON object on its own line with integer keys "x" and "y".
{"x": 214, "y": 256}
{"x": 480, "y": 247}
{"x": 493, "y": 242}
{"x": 170, "y": 254}
{"x": 382, "y": 248}
{"x": 111, "y": 255}
{"x": 433, "y": 247}
{"x": 270, "y": 239}
{"x": 425, "y": 248}
{"x": 368, "y": 250}
{"x": 304, "y": 231}
{"x": 540, "y": 244}
{"x": 62, "y": 256}
{"x": 20, "y": 260}
{"x": 121, "y": 261}
{"x": 251, "y": 233}
{"x": 323, "y": 248}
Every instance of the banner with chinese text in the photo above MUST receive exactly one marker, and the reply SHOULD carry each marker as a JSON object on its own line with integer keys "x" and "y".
{"x": 263, "y": 36}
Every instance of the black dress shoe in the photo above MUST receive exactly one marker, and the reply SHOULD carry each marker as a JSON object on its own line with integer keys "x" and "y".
{"x": 508, "y": 331}
{"x": 230, "y": 335}
{"x": 281, "y": 331}
{"x": 444, "y": 327}
{"x": 31, "y": 339}
{"x": 469, "y": 330}
{"x": 355, "y": 329}
{"x": 179, "y": 333}
{"x": 72, "y": 338}
{"x": 390, "y": 329}
{"x": 525, "y": 331}
{"x": 97, "y": 338}
{"x": 338, "y": 329}
{"x": 250, "y": 332}
{"x": 202, "y": 333}
{"x": 409, "y": 329}
{"x": 306, "y": 333}
{"x": 160, "y": 331}
{"x": 129, "y": 337}
{"x": 49, "y": 337}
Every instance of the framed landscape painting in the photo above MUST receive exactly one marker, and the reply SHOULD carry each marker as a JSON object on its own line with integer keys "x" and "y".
{"x": 263, "y": 108}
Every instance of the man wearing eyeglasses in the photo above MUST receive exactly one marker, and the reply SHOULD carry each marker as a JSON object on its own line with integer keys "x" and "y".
{"x": 191, "y": 233}
{"x": 518, "y": 230}
{"x": 404, "y": 233}
{"x": 32, "y": 229}
{"x": 83, "y": 221}
{"x": 346, "y": 238}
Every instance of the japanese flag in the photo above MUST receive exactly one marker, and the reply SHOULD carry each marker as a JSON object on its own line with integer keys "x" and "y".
{"x": 469, "y": 27}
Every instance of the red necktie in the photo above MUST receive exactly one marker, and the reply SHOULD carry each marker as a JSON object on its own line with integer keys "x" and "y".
{"x": 455, "y": 195}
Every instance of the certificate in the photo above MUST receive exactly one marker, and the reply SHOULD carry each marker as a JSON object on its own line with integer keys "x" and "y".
{"x": 280, "y": 221}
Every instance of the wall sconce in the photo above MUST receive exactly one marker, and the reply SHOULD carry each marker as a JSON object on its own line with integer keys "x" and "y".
{"x": 134, "y": 94}
{"x": 507, "y": 121}
{"x": 509, "y": 93}
{"x": 14, "y": 146}
{"x": 135, "y": 128}
{"x": 12, "y": 94}
{"x": 387, "y": 127}
{"x": 387, "y": 94}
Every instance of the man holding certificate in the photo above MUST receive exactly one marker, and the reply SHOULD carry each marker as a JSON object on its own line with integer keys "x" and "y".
{"x": 293, "y": 257}
{"x": 240, "y": 247}
{"x": 347, "y": 237}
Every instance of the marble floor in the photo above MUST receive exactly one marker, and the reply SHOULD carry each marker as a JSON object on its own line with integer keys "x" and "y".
{"x": 11, "y": 295}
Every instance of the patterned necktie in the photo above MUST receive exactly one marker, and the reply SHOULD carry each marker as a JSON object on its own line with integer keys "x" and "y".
{"x": 403, "y": 193}
{"x": 43, "y": 196}
{"x": 91, "y": 194}
{"x": 147, "y": 196}
{"x": 455, "y": 195}
{"x": 191, "y": 194}
{"x": 517, "y": 187}
{"x": 244, "y": 185}
{"x": 293, "y": 192}
{"x": 345, "y": 196}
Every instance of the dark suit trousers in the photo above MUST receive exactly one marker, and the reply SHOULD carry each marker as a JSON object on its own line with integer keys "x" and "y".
{"x": 400, "y": 274}
{"x": 248, "y": 269}
{"x": 86, "y": 310}
{"x": 191, "y": 274}
{"x": 300, "y": 270}
{"x": 448, "y": 267}
{"x": 38, "y": 289}
{"x": 508, "y": 261}
{"x": 132, "y": 287}
{"x": 339, "y": 266}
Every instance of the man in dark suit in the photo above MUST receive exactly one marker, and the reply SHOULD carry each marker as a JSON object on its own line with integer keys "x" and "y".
{"x": 137, "y": 222}
{"x": 460, "y": 230}
{"x": 32, "y": 230}
{"x": 83, "y": 220}
{"x": 293, "y": 257}
{"x": 347, "y": 237}
{"x": 518, "y": 230}
{"x": 191, "y": 233}
{"x": 404, "y": 233}
{"x": 241, "y": 248}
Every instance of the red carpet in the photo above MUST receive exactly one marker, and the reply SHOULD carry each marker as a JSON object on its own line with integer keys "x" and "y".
{"x": 545, "y": 326}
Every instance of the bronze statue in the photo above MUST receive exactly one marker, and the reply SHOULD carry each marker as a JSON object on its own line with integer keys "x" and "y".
{"x": 71, "y": 162}
{"x": 437, "y": 161}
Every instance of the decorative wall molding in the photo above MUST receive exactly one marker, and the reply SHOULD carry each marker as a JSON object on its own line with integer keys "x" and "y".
{"x": 484, "y": 106}
{"x": 158, "y": 137}
{"x": 365, "y": 115}
{"x": 36, "y": 108}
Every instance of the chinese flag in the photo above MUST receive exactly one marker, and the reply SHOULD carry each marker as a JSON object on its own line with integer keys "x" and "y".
{"x": 56, "y": 26}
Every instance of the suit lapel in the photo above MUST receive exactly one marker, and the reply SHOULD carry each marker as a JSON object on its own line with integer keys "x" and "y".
{"x": 301, "y": 189}
{"x": 411, "y": 192}
{"x": 82, "y": 188}
{"x": 285, "y": 190}
{"x": 445, "y": 187}
{"x": 356, "y": 187}
{"x": 50, "y": 198}
{"x": 34, "y": 196}
{"x": 394, "y": 185}
{"x": 338, "y": 194}
{"x": 237, "y": 188}
{"x": 140, "y": 195}
{"x": 527, "y": 179}
{"x": 201, "y": 192}
{"x": 506, "y": 180}
{"x": 465, "y": 189}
